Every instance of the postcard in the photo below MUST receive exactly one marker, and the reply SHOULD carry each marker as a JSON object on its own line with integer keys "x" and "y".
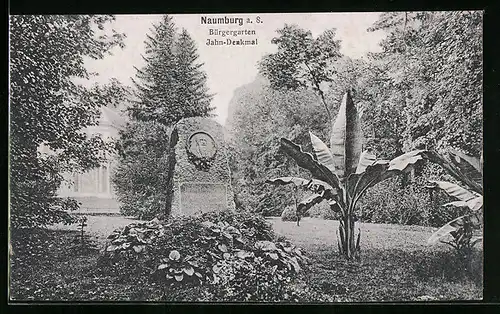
{"x": 293, "y": 157}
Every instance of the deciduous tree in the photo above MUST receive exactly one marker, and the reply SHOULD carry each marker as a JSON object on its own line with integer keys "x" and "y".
{"x": 48, "y": 107}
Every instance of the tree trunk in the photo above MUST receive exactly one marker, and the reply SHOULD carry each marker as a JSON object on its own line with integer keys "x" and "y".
{"x": 295, "y": 189}
{"x": 348, "y": 246}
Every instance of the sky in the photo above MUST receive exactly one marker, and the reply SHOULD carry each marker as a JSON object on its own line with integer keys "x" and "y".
{"x": 229, "y": 67}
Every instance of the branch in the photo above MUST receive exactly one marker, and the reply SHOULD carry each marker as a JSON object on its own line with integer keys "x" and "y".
{"x": 316, "y": 83}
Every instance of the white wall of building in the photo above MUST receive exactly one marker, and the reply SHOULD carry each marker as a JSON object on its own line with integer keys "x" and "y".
{"x": 95, "y": 183}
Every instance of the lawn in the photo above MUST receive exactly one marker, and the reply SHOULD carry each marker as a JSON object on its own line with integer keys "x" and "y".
{"x": 396, "y": 265}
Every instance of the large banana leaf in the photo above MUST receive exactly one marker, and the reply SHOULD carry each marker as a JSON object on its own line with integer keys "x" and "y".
{"x": 473, "y": 204}
{"x": 366, "y": 159}
{"x": 309, "y": 202}
{"x": 379, "y": 171}
{"x": 454, "y": 170}
{"x": 307, "y": 161}
{"x": 475, "y": 219}
{"x": 314, "y": 185}
{"x": 357, "y": 183}
{"x": 323, "y": 153}
{"x": 468, "y": 165}
{"x": 402, "y": 162}
{"x": 346, "y": 137}
{"x": 453, "y": 190}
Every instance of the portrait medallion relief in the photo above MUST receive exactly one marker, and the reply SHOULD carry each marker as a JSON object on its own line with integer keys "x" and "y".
{"x": 201, "y": 149}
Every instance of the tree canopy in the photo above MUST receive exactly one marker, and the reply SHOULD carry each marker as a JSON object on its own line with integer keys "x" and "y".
{"x": 171, "y": 85}
{"x": 48, "y": 107}
{"x": 423, "y": 90}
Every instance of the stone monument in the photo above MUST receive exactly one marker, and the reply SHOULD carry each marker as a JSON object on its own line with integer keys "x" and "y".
{"x": 200, "y": 178}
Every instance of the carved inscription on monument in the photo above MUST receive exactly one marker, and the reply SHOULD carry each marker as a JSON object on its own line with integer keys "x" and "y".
{"x": 198, "y": 197}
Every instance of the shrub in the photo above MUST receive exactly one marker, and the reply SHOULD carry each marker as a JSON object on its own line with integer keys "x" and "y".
{"x": 323, "y": 211}
{"x": 289, "y": 214}
{"x": 389, "y": 202}
{"x": 217, "y": 256}
{"x": 142, "y": 171}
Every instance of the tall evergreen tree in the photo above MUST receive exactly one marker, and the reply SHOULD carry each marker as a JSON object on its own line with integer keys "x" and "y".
{"x": 191, "y": 88}
{"x": 154, "y": 81}
{"x": 171, "y": 85}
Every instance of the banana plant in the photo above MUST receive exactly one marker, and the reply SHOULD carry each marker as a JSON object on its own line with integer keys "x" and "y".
{"x": 469, "y": 171}
{"x": 342, "y": 173}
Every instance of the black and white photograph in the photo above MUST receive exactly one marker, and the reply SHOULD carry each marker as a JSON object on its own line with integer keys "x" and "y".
{"x": 253, "y": 158}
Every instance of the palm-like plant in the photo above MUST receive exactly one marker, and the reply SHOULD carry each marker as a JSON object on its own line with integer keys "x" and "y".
{"x": 468, "y": 170}
{"x": 343, "y": 173}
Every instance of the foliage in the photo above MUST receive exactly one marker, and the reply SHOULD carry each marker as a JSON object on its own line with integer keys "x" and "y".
{"x": 49, "y": 107}
{"x": 171, "y": 85}
{"x": 260, "y": 274}
{"x": 229, "y": 253}
{"x": 433, "y": 65}
{"x": 254, "y": 110}
{"x": 134, "y": 237}
{"x": 468, "y": 170}
{"x": 141, "y": 174}
{"x": 179, "y": 269}
{"x": 409, "y": 205}
{"x": 289, "y": 214}
{"x": 342, "y": 173}
{"x": 301, "y": 60}
{"x": 323, "y": 211}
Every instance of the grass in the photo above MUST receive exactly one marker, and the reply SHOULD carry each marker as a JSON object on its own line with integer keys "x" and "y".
{"x": 56, "y": 270}
{"x": 396, "y": 265}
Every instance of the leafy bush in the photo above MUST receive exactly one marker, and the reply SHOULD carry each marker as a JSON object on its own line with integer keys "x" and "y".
{"x": 411, "y": 204}
{"x": 142, "y": 171}
{"x": 289, "y": 214}
{"x": 408, "y": 205}
{"x": 323, "y": 211}
{"x": 135, "y": 236}
{"x": 218, "y": 256}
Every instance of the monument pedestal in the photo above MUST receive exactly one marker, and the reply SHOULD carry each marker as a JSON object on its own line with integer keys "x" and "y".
{"x": 200, "y": 178}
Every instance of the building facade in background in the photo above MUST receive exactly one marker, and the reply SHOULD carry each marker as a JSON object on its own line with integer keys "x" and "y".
{"x": 94, "y": 189}
{"x": 96, "y": 182}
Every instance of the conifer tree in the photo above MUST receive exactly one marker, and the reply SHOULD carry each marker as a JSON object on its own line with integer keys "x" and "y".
{"x": 171, "y": 85}
{"x": 192, "y": 87}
